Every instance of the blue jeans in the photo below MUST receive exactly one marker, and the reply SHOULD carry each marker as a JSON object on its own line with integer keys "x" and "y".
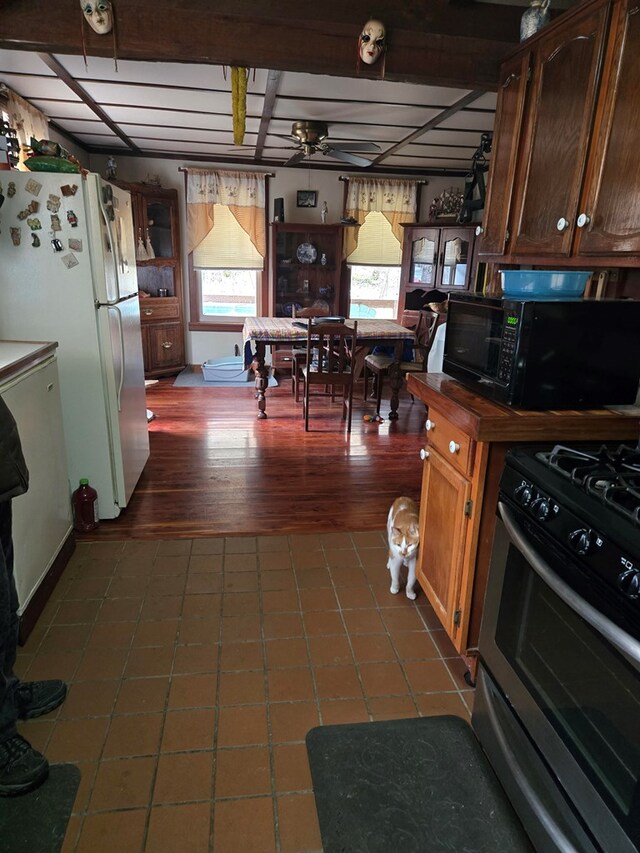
{"x": 8, "y": 626}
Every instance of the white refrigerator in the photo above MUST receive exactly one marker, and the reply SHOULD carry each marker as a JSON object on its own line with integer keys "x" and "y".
{"x": 68, "y": 274}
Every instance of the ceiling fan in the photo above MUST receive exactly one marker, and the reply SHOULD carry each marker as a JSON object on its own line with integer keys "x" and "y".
{"x": 311, "y": 137}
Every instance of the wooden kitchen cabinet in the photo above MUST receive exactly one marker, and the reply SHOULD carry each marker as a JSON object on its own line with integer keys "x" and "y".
{"x": 466, "y": 439}
{"x": 306, "y": 263}
{"x": 436, "y": 257}
{"x": 564, "y": 182}
{"x": 156, "y": 223}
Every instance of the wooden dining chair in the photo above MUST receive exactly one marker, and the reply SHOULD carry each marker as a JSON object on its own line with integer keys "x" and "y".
{"x": 376, "y": 365}
{"x": 328, "y": 366}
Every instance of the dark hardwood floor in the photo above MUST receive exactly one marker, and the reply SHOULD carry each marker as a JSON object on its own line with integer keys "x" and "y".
{"x": 215, "y": 469}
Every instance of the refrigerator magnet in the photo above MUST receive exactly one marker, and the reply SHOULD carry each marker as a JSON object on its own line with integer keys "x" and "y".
{"x": 33, "y": 187}
{"x": 34, "y": 223}
{"x": 69, "y": 261}
{"x": 72, "y": 219}
{"x": 35, "y": 240}
{"x": 69, "y": 189}
{"x": 55, "y": 222}
{"x": 57, "y": 245}
{"x": 75, "y": 244}
{"x": 11, "y": 189}
{"x": 16, "y": 235}
{"x": 53, "y": 204}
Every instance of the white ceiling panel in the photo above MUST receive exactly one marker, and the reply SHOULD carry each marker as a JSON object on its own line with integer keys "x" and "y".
{"x": 61, "y": 110}
{"x": 469, "y": 121}
{"x": 408, "y": 116}
{"x": 39, "y": 87}
{"x": 169, "y": 98}
{"x": 470, "y": 138}
{"x": 23, "y": 62}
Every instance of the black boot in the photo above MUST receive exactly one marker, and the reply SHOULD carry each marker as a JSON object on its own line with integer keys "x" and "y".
{"x": 35, "y": 698}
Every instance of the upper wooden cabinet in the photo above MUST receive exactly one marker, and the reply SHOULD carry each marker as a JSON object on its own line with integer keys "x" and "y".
{"x": 564, "y": 181}
{"x": 435, "y": 256}
{"x": 156, "y": 225}
{"x": 305, "y": 267}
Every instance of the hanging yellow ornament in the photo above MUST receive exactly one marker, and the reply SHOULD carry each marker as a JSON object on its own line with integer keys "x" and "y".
{"x": 239, "y": 78}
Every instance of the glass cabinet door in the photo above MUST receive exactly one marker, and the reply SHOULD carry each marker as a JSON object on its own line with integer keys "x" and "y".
{"x": 424, "y": 253}
{"x": 159, "y": 227}
{"x": 455, "y": 260}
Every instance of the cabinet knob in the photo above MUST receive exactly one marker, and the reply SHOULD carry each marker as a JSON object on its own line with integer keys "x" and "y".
{"x": 454, "y": 447}
{"x": 479, "y": 230}
{"x": 583, "y": 220}
{"x": 167, "y": 344}
{"x": 148, "y": 312}
{"x": 429, "y": 425}
{"x": 563, "y": 224}
{"x": 424, "y": 454}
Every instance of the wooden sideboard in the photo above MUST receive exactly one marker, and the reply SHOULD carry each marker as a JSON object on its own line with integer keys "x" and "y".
{"x": 467, "y": 437}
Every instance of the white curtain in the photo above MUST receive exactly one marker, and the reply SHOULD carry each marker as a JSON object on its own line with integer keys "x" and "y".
{"x": 395, "y": 199}
{"x": 242, "y": 192}
{"x": 27, "y": 121}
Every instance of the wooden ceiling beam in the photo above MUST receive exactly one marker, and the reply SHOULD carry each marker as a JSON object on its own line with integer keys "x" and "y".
{"x": 455, "y": 43}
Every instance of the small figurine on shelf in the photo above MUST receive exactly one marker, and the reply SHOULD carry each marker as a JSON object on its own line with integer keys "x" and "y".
{"x": 112, "y": 168}
{"x": 324, "y": 212}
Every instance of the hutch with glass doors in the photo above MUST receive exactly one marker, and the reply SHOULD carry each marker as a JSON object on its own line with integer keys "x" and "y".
{"x": 306, "y": 263}
{"x": 436, "y": 257}
{"x": 157, "y": 233}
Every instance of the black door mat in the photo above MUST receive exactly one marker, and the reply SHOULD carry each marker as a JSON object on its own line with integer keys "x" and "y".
{"x": 37, "y": 822}
{"x": 409, "y": 786}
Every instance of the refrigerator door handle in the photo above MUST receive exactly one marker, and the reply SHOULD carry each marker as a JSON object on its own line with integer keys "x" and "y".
{"x": 122, "y": 354}
{"x": 107, "y": 223}
{"x": 113, "y": 302}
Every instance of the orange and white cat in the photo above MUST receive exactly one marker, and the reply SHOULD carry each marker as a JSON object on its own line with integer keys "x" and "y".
{"x": 403, "y": 535}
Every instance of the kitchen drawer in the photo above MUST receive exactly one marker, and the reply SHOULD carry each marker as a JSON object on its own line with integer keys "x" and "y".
{"x": 451, "y": 442}
{"x": 152, "y": 310}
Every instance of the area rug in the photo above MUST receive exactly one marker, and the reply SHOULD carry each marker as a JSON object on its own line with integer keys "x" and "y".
{"x": 411, "y": 786}
{"x": 194, "y": 379}
{"x": 37, "y": 822}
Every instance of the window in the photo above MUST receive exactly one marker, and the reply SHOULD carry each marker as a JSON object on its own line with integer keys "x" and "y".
{"x": 375, "y": 270}
{"x": 226, "y": 233}
{"x": 227, "y": 271}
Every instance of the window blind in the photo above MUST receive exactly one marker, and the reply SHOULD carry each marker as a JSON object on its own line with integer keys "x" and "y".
{"x": 227, "y": 245}
{"x": 377, "y": 245}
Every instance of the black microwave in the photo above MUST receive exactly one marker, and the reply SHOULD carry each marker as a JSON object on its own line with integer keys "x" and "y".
{"x": 552, "y": 354}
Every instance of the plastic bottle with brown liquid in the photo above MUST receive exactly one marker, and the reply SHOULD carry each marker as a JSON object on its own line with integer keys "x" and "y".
{"x": 85, "y": 507}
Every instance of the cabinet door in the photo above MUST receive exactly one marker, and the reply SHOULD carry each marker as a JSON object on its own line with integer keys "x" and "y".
{"x": 422, "y": 247}
{"x": 454, "y": 263}
{"x": 559, "y": 116}
{"x": 443, "y": 531}
{"x": 166, "y": 349}
{"x": 610, "y": 209}
{"x": 509, "y": 112}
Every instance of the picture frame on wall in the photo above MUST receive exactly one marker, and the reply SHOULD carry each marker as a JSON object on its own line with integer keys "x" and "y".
{"x": 307, "y": 198}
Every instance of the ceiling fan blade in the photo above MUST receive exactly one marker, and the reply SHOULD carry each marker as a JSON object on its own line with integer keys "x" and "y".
{"x": 296, "y": 158}
{"x": 288, "y": 136}
{"x": 356, "y": 146}
{"x": 346, "y": 157}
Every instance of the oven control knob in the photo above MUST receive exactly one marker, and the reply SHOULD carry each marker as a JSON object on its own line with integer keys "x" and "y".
{"x": 540, "y": 508}
{"x": 523, "y": 494}
{"x": 581, "y": 541}
{"x": 629, "y": 582}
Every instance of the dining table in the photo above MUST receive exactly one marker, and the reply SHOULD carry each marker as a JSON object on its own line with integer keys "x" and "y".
{"x": 262, "y": 332}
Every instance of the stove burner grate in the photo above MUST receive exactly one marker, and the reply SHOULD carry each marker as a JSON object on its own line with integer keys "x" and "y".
{"x": 611, "y": 474}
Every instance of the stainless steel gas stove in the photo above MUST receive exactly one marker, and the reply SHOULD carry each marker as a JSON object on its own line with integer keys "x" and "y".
{"x": 558, "y": 702}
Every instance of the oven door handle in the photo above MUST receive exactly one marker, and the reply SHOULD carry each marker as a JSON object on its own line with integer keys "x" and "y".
{"x": 624, "y": 642}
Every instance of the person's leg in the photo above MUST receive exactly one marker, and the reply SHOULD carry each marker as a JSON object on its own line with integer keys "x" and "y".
{"x": 8, "y": 627}
{"x": 22, "y": 768}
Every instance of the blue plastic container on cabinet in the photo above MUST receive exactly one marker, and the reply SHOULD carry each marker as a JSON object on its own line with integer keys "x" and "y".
{"x": 544, "y": 284}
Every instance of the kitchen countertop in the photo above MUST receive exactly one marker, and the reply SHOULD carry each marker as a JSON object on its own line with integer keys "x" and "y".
{"x": 484, "y": 420}
{"x": 16, "y": 356}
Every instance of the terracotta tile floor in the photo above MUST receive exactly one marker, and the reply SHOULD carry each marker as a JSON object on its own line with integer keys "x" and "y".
{"x": 195, "y": 669}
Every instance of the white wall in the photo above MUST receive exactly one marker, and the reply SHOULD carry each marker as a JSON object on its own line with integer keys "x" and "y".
{"x": 201, "y": 346}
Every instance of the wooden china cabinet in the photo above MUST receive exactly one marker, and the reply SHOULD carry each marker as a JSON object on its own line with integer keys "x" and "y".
{"x": 564, "y": 181}
{"x": 436, "y": 257}
{"x": 156, "y": 223}
{"x": 305, "y": 268}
